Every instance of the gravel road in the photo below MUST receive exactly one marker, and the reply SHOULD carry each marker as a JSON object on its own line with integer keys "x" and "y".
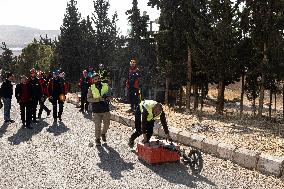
{"x": 59, "y": 156}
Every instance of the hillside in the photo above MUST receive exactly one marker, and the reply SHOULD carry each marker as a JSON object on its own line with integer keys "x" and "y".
{"x": 19, "y": 36}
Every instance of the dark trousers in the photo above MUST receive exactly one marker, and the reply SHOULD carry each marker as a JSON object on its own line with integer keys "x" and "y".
{"x": 34, "y": 104}
{"x": 133, "y": 98}
{"x": 42, "y": 107}
{"x": 26, "y": 113}
{"x": 138, "y": 130}
{"x": 84, "y": 104}
{"x": 60, "y": 104}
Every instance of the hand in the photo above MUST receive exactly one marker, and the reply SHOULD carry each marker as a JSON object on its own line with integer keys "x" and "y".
{"x": 144, "y": 139}
{"x": 169, "y": 138}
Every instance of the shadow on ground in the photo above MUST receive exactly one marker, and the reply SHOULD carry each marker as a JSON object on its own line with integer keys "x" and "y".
{"x": 111, "y": 162}
{"x": 25, "y": 134}
{"x": 178, "y": 173}
{"x": 3, "y": 129}
{"x": 57, "y": 128}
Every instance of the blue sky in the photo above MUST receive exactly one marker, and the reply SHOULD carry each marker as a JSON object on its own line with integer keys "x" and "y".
{"x": 48, "y": 14}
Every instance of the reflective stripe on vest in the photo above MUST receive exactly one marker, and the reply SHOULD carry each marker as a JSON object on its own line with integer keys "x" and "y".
{"x": 149, "y": 104}
{"x": 96, "y": 92}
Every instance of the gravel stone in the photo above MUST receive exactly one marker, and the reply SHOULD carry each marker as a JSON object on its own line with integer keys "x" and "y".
{"x": 59, "y": 156}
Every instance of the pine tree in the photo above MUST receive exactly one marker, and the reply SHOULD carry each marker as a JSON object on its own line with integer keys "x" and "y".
{"x": 70, "y": 43}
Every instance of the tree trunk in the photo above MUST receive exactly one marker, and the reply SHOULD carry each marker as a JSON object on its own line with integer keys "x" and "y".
{"x": 242, "y": 95}
{"x": 189, "y": 81}
{"x": 220, "y": 98}
{"x": 275, "y": 101}
{"x": 270, "y": 103}
{"x": 180, "y": 97}
{"x": 253, "y": 107}
{"x": 195, "y": 93}
{"x": 167, "y": 92}
{"x": 202, "y": 98}
{"x": 261, "y": 92}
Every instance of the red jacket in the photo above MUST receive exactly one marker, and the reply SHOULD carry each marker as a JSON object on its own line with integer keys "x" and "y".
{"x": 133, "y": 78}
{"x": 43, "y": 84}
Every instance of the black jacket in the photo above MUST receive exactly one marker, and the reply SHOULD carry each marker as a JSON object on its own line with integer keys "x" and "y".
{"x": 6, "y": 90}
{"x": 36, "y": 92}
{"x": 56, "y": 88}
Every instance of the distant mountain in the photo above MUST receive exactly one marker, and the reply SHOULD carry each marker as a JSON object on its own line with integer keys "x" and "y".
{"x": 17, "y": 37}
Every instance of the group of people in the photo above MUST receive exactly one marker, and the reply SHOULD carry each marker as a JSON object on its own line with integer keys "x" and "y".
{"x": 98, "y": 95}
{"x": 33, "y": 91}
{"x": 95, "y": 97}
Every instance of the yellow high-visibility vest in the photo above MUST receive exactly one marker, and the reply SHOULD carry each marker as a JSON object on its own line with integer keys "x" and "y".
{"x": 96, "y": 92}
{"x": 149, "y": 104}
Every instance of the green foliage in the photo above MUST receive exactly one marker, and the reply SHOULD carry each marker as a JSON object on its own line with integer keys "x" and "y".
{"x": 6, "y": 59}
{"x": 35, "y": 55}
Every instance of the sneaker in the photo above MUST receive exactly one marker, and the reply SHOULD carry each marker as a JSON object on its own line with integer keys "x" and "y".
{"x": 98, "y": 142}
{"x": 131, "y": 143}
{"x": 103, "y": 137}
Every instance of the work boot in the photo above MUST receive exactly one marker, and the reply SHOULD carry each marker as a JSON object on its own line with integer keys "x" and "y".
{"x": 48, "y": 113}
{"x": 103, "y": 137}
{"x": 131, "y": 143}
{"x": 98, "y": 142}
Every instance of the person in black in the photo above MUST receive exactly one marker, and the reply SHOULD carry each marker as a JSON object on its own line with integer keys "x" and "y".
{"x": 85, "y": 83}
{"x": 23, "y": 95}
{"x": 6, "y": 93}
{"x": 36, "y": 93}
{"x": 56, "y": 91}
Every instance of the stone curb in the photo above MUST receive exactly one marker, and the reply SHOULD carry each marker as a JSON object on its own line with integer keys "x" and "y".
{"x": 266, "y": 164}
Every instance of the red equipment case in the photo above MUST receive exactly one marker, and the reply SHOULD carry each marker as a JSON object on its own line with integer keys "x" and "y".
{"x": 155, "y": 153}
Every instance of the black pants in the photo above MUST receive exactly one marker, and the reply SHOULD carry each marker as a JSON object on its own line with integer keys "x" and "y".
{"x": 60, "y": 104}
{"x": 42, "y": 107}
{"x": 138, "y": 130}
{"x": 34, "y": 104}
{"x": 84, "y": 103}
{"x": 133, "y": 98}
{"x": 26, "y": 113}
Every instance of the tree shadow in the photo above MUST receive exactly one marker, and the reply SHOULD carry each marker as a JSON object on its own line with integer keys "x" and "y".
{"x": 57, "y": 128}
{"x": 177, "y": 173}
{"x": 112, "y": 162}
{"x": 3, "y": 129}
{"x": 25, "y": 134}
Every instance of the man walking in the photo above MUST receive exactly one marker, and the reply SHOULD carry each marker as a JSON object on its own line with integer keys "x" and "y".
{"x": 6, "y": 94}
{"x": 36, "y": 93}
{"x": 44, "y": 91}
{"x": 57, "y": 92}
{"x": 23, "y": 95}
{"x": 85, "y": 83}
{"x": 99, "y": 96}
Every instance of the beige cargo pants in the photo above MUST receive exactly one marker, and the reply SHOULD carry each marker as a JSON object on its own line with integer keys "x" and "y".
{"x": 98, "y": 119}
